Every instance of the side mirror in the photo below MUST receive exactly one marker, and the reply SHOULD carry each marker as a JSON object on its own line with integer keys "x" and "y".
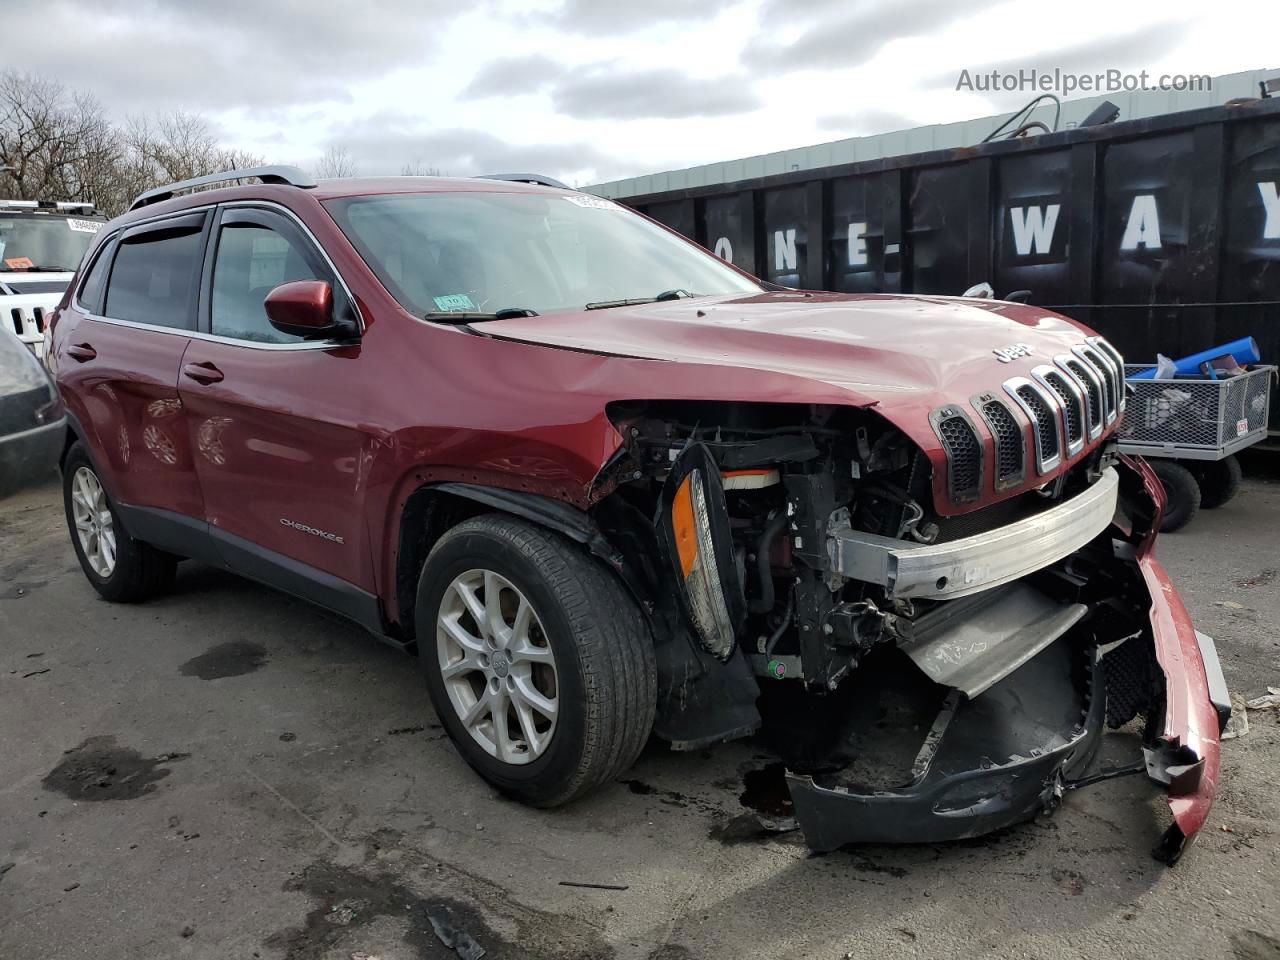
{"x": 304, "y": 308}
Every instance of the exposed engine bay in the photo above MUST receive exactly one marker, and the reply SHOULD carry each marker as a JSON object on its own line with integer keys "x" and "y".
{"x": 807, "y": 582}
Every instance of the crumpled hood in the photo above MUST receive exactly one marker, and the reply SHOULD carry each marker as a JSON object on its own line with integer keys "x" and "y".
{"x": 889, "y": 348}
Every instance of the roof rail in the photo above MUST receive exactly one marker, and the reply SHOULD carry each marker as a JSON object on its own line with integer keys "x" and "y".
{"x": 537, "y": 178}
{"x": 275, "y": 174}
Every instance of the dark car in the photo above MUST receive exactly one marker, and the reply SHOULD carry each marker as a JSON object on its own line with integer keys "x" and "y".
{"x": 33, "y": 428}
{"x": 607, "y": 485}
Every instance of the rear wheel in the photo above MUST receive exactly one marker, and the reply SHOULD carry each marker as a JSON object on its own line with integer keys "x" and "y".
{"x": 537, "y": 660}
{"x": 1219, "y": 481}
{"x": 1181, "y": 491}
{"x": 120, "y": 568}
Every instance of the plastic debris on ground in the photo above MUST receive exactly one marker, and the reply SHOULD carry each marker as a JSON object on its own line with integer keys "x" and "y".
{"x": 1269, "y": 701}
{"x": 1238, "y": 725}
{"x": 455, "y": 938}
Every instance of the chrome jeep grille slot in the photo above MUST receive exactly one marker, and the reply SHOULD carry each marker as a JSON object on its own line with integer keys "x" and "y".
{"x": 1041, "y": 407}
{"x": 964, "y": 452}
{"x": 1106, "y": 375}
{"x": 1117, "y": 363}
{"x": 1072, "y": 405}
{"x": 1091, "y": 385}
{"x": 1007, "y": 433}
{"x": 1008, "y": 440}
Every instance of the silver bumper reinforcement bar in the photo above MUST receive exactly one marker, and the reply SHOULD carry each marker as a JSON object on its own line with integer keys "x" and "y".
{"x": 945, "y": 571}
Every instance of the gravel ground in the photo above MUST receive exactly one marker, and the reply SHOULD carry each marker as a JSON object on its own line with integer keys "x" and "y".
{"x": 228, "y": 773}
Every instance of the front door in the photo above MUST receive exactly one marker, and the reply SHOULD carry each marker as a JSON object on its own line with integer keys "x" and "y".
{"x": 274, "y": 419}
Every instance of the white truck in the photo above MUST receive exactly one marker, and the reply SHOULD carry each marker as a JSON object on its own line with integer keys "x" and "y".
{"x": 41, "y": 244}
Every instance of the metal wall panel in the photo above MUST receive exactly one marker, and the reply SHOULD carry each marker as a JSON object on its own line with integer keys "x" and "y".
{"x": 1032, "y": 226}
{"x": 786, "y": 236}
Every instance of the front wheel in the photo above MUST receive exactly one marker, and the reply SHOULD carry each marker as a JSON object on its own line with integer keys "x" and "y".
{"x": 120, "y": 568}
{"x": 538, "y": 662}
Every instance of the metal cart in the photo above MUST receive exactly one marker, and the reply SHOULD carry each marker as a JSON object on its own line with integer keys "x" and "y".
{"x": 1190, "y": 431}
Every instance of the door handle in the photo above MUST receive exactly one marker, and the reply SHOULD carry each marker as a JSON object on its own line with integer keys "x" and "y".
{"x": 205, "y": 373}
{"x": 81, "y": 352}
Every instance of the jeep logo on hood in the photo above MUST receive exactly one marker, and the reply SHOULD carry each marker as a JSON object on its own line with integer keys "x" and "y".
{"x": 1007, "y": 354}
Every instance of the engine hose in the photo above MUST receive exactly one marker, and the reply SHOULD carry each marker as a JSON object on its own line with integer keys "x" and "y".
{"x": 764, "y": 603}
{"x": 782, "y": 627}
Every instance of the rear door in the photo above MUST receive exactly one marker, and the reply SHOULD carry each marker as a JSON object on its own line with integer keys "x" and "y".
{"x": 275, "y": 419}
{"x": 120, "y": 362}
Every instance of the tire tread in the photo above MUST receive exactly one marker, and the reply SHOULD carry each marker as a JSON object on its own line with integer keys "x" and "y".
{"x": 619, "y": 668}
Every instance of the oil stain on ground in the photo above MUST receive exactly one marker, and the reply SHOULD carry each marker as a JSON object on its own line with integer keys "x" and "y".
{"x": 98, "y": 769}
{"x": 232, "y": 659}
{"x": 345, "y": 900}
{"x": 767, "y": 799}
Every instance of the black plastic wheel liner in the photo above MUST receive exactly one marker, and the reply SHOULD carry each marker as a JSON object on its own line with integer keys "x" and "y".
{"x": 986, "y": 764}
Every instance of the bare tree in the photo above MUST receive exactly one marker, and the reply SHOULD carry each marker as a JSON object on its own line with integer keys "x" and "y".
{"x": 336, "y": 162}
{"x": 49, "y": 137}
{"x": 419, "y": 169}
{"x": 57, "y": 144}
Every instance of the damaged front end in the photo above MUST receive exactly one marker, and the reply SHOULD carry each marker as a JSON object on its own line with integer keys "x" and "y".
{"x": 926, "y": 675}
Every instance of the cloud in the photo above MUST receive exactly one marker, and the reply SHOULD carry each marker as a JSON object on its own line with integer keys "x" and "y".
{"x": 385, "y": 143}
{"x": 612, "y": 17}
{"x": 216, "y": 54}
{"x": 861, "y": 123}
{"x": 510, "y": 76}
{"x": 846, "y": 33}
{"x": 599, "y": 91}
{"x": 596, "y": 92}
{"x": 1134, "y": 50}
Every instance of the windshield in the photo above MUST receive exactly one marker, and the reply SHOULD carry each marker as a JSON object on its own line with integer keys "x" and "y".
{"x": 34, "y": 242}
{"x": 483, "y": 253}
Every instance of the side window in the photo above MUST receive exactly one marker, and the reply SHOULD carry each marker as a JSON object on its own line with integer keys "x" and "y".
{"x": 251, "y": 261}
{"x": 153, "y": 277}
{"x": 95, "y": 280}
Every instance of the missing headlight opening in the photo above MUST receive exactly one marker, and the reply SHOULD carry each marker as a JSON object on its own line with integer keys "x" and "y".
{"x": 926, "y": 674}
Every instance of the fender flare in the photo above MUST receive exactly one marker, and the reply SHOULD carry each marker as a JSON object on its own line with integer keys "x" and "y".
{"x": 560, "y": 517}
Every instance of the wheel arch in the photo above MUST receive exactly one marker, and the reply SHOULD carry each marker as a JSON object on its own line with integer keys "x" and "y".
{"x": 76, "y": 433}
{"x": 432, "y": 509}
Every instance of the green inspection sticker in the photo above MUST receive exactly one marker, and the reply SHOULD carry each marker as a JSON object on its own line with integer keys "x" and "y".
{"x": 455, "y": 301}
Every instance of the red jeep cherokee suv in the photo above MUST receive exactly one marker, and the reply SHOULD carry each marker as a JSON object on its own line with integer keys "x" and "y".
{"x": 607, "y": 485}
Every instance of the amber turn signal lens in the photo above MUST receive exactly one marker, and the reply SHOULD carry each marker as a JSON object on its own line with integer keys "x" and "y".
{"x": 682, "y": 524}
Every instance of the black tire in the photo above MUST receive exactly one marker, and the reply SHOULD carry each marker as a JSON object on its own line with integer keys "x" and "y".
{"x": 606, "y": 686}
{"x": 1219, "y": 481}
{"x": 141, "y": 571}
{"x": 1181, "y": 492}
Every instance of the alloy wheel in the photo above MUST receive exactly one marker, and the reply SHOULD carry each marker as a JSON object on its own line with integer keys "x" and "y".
{"x": 497, "y": 665}
{"x": 94, "y": 524}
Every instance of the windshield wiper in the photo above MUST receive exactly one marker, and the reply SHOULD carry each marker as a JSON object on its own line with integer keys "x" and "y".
{"x": 38, "y": 268}
{"x": 678, "y": 294}
{"x": 471, "y": 316}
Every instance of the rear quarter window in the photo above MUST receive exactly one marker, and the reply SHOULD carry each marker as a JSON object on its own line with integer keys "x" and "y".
{"x": 95, "y": 281}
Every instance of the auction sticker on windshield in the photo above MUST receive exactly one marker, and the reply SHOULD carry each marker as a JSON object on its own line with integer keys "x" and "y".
{"x": 454, "y": 301}
{"x": 595, "y": 203}
{"x": 84, "y": 226}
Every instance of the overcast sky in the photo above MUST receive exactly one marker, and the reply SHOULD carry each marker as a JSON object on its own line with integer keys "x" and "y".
{"x": 592, "y": 90}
